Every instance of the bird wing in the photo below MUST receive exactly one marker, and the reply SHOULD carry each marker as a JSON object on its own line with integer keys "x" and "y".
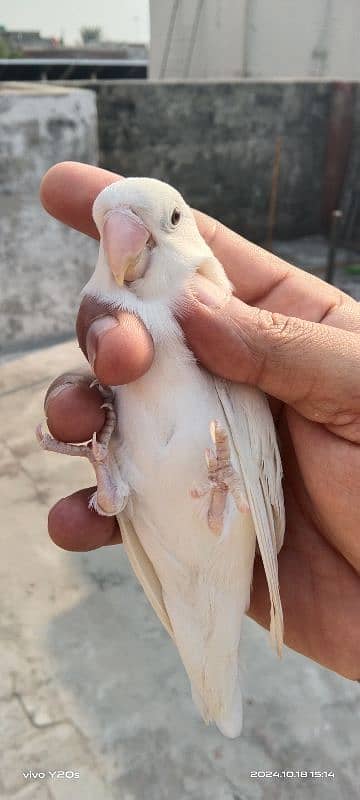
{"x": 144, "y": 570}
{"x": 253, "y": 437}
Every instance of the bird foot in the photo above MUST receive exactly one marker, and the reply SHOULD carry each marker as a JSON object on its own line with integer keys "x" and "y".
{"x": 222, "y": 479}
{"x": 47, "y": 442}
{"x": 97, "y": 450}
{"x": 110, "y": 496}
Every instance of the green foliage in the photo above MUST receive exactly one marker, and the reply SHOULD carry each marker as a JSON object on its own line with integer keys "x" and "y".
{"x": 6, "y": 51}
{"x": 353, "y": 269}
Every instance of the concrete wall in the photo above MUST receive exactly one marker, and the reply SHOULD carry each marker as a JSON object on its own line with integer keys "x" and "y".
{"x": 216, "y": 142}
{"x": 254, "y": 38}
{"x": 351, "y": 193}
{"x": 197, "y": 40}
{"x": 314, "y": 38}
{"x": 43, "y": 265}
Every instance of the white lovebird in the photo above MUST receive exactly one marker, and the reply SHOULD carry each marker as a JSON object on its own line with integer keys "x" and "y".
{"x": 189, "y": 462}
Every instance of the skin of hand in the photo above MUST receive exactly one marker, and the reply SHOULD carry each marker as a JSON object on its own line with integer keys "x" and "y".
{"x": 295, "y": 337}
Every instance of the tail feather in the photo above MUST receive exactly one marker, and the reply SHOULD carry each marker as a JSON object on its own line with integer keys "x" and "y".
{"x": 207, "y": 634}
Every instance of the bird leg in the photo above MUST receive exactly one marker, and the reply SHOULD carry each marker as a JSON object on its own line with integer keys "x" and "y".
{"x": 222, "y": 479}
{"x": 111, "y": 495}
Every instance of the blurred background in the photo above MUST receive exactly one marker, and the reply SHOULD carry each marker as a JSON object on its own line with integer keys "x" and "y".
{"x": 252, "y": 110}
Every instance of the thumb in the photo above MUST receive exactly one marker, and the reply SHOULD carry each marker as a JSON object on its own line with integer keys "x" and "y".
{"x": 313, "y": 367}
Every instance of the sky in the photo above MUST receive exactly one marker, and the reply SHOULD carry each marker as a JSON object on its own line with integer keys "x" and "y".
{"x": 119, "y": 20}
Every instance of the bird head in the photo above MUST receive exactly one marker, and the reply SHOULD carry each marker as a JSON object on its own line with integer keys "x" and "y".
{"x": 149, "y": 241}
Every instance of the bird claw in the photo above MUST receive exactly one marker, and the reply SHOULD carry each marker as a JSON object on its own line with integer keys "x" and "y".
{"x": 110, "y": 496}
{"x": 99, "y": 451}
{"x": 47, "y": 442}
{"x": 105, "y": 392}
{"x": 222, "y": 479}
{"x": 107, "y": 405}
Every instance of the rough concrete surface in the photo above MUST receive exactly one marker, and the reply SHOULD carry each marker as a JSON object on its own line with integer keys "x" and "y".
{"x": 216, "y": 141}
{"x": 91, "y": 683}
{"x": 43, "y": 264}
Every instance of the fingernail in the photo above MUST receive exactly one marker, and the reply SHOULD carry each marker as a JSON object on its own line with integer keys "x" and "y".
{"x": 209, "y": 293}
{"x": 66, "y": 381}
{"x": 96, "y": 331}
{"x": 63, "y": 387}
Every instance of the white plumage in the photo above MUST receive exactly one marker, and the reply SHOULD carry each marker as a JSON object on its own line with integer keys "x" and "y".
{"x": 189, "y": 517}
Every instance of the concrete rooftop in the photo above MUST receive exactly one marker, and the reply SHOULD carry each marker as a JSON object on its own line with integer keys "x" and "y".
{"x": 90, "y": 681}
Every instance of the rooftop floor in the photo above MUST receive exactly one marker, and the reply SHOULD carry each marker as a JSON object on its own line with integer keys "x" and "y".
{"x": 91, "y": 682}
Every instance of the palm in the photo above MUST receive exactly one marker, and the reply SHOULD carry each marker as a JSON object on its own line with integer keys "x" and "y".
{"x": 320, "y": 590}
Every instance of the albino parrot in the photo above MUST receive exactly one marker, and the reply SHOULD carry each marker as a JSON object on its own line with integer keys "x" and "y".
{"x": 187, "y": 461}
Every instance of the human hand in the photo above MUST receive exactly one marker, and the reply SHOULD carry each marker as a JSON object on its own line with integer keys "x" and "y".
{"x": 298, "y": 340}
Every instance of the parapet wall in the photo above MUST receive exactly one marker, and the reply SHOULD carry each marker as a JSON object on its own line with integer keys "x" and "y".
{"x": 216, "y": 141}
{"x": 43, "y": 264}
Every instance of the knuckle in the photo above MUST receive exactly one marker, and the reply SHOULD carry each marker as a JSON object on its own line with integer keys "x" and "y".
{"x": 275, "y": 337}
{"x": 278, "y": 330}
{"x": 344, "y": 423}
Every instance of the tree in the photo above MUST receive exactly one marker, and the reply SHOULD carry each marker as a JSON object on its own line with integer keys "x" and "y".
{"x": 6, "y": 50}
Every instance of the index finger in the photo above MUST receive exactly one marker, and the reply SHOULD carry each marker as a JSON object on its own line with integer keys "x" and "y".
{"x": 260, "y": 278}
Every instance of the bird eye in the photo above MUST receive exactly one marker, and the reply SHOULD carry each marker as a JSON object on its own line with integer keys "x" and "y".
{"x": 175, "y": 216}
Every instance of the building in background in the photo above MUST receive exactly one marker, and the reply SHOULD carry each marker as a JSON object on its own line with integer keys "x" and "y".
{"x": 126, "y": 51}
{"x": 27, "y": 56}
{"x": 30, "y": 44}
{"x": 27, "y": 41}
{"x": 254, "y": 38}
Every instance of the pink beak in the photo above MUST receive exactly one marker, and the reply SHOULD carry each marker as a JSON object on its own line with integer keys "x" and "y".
{"x": 124, "y": 238}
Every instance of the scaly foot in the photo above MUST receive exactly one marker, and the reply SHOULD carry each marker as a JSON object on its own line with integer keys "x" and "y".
{"x": 222, "y": 479}
{"x": 111, "y": 494}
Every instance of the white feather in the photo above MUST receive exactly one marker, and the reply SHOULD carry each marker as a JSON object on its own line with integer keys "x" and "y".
{"x": 198, "y": 584}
